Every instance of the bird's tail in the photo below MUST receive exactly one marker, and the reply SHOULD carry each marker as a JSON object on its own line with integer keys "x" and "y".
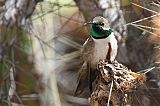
{"x": 86, "y": 77}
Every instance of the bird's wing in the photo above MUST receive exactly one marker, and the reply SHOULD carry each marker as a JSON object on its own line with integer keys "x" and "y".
{"x": 85, "y": 77}
{"x": 87, "y": 50}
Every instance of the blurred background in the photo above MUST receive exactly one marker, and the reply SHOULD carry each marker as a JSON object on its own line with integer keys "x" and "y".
{"x": 40, "y": 43}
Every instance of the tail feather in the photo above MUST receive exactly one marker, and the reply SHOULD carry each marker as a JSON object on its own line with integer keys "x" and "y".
{"x": 86, "y": 77}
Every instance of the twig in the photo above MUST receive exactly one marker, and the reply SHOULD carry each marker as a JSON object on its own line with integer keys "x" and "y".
{"x": 76, "y": 100}
{"x": 152, "y": 28}
{"x": 156, "y": 4}
{"x": 142, "y": 19}
{"x": 146, "y": 70}
{"x": 145, "y": 30}
{"x": 110, "y": 92}
{"x": 144, "y": 8}
{"x": 12, "y": 85}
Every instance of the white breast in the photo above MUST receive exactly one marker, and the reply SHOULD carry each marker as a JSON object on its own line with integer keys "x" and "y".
{"x": 101, "y": 48}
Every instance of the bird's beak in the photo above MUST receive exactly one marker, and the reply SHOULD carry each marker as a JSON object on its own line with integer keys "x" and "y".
{"x": 88, "y": 23}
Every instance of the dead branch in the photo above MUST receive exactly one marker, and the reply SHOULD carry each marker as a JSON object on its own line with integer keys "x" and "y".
{"x": 113, "y": 83}
{"x": 17, "y": 11}
{"x": 12, "y": 88}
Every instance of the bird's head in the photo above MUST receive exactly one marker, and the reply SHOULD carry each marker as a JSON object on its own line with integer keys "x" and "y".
{"x": 100, "y": 28}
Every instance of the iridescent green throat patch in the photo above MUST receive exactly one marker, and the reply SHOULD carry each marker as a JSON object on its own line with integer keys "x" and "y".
{"x": 98, "y": 32}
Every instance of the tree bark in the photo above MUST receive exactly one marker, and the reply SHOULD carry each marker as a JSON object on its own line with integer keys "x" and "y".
{"x": 89, "y": 8}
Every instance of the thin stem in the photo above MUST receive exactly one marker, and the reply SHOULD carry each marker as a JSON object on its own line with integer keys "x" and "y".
{"x": 110, "y": 92}
{"x": 145, "y": 8}
{"x": 143, "y": 19}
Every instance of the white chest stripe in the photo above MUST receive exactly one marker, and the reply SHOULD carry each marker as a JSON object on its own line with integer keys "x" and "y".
{"x": 101, "y": 48}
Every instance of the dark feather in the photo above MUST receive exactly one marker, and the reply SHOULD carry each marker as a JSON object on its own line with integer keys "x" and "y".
{"x": 86, "y": 77}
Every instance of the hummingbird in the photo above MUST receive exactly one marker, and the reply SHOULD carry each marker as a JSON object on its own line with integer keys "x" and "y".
{"x": 101, "y": 45}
